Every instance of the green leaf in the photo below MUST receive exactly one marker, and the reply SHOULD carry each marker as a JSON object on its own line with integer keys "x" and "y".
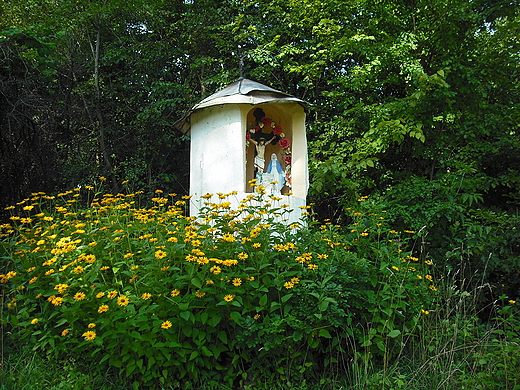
{"x": 394, "y": 333}
{"x": 196, "y": 282}
{"x": 236, "y": 316}
{"x": 325, "y": 333}
{"x": 286, "y": 297}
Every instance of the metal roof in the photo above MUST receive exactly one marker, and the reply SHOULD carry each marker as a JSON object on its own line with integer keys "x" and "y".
{"x": 242, "y": 91}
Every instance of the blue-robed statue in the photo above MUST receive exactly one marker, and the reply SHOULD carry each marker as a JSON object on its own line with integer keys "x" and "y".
{"x": 278, "y": 172}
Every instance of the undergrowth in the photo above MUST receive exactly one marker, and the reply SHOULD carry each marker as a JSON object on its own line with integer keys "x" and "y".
{"x": 102, "y": 291}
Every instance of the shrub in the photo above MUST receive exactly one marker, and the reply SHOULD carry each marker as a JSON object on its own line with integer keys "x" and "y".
{"x": 232, "y": 295}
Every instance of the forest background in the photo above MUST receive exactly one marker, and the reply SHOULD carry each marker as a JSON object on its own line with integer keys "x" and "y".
{"x": 413, "y": 103}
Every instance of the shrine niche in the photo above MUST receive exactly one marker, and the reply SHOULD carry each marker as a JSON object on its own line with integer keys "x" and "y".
{"x": 247, "y": 131}
{"x": 268, "y": 150}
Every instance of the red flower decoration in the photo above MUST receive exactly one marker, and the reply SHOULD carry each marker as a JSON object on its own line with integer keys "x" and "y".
{"x": 256, "y": 128}
{"x": 266, "y": 121}
{"x": 287, "y": 160}
{"x": 248, "y": 137}
{"x": 284, "y": 143}
{"x": 277, "y": 130}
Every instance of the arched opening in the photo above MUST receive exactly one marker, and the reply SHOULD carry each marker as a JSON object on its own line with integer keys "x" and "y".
{"x": 268, "y": 149}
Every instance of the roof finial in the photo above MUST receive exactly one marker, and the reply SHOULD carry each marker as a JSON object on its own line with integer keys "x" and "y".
{"x": 240, "y": 62}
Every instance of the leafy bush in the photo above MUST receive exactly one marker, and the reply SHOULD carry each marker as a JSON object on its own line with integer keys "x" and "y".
{"x": 229, "y": 296}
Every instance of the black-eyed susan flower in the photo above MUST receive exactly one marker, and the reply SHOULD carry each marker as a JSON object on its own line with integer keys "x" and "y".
{"x": 236, "y": 282}
{"x": 166, "y": 325}
{"x": 91, "y": 325}
{"x": 175, "y": 292}
{"x": 103, "y": 308}
{"x": 79, "y": 296}
{"x": 61, "y": 287}
{"x": 112, "y": 294}
{"x": 123, "y": 300}
{"x": 229, "y": 297}
{"x": 89, "y": 335}
{"x": 160, "y": 254}
{"x": 34, "y": 321}
{"x": 146, "y": 296}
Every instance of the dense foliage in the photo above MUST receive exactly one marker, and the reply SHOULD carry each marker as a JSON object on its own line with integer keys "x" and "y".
{"x": 225, "y": 298}
{"x": 414, "y": 103}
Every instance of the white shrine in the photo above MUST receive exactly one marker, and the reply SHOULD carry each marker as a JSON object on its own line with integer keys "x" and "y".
{"x": 243, "y": 132}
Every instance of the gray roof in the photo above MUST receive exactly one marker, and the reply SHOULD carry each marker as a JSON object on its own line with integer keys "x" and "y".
{"x": 243, "y": 91}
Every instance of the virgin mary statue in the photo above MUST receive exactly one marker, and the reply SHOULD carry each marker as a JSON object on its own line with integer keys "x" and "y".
{"x": 278, "y": 172}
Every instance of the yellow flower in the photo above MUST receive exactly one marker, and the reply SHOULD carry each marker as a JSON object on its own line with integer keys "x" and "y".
{"x": 146, "y": 296}
{"x": 100, "y": 295}
{"x": 112, "y": 294}
{"x": 57, "y": 301}
{"x": 257, "y": 245}
{"x": 175, "y": 292}
{"x": 312, "y": 266}
{"x": 89, "y": 259}
{"x": 237, "y": 282}
{"x": 123, "y": 300}
{"x": 166, "y": 325}
{"x": 34, "y": 321}
{"x": 128, "y": 255}
{"x": 200, "y": 294}
{"x": 395, "y": 268}
{"x": 91, "y": 325}
{"x": 429, "y": 277}
{"x": 288, "y": 285}
{"x": 79, "y": 296}
{"x": 89, "y": 335}
{"x": 228, "y": 237}
{"x": 103, "y": 309}
{"x": 256, "y": 316}
{"x": 78, "y": 269}
{"x": 229, "y": 298}
{"x": 61, "y": 287}
{"x": 215, "y": 269}
{"x": 243, "y": 256}
{"x": 425, "y": 311}
{"x": 65, "y": 332}
{"x": 160, "y": 254}
{"x": 512, "y": 302}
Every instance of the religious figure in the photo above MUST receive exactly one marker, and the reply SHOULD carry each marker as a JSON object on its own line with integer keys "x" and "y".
{"x": 278, "y": 172}
{"x": 260, "y": 152}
